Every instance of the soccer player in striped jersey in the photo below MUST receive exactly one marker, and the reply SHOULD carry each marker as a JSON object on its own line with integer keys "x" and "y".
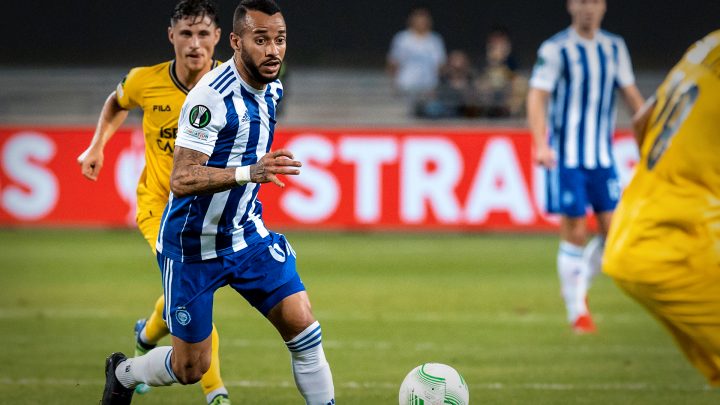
{"x": 571, "y": 114}
{"x": 159, "y": 91}
{"x": 212, "y": 232}
{"x": 664, "y": 244}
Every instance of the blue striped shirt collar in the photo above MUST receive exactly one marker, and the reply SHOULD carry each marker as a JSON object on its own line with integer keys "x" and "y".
{"x": 577, "y": 37}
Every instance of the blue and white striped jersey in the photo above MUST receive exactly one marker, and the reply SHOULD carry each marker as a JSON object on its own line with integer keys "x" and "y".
{"x": 233, "y": 123}
{"x": 582, "y": 76}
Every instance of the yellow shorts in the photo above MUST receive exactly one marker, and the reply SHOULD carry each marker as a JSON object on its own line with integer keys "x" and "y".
{"x": 148, "y": 221}
{"x": 689, "y": 307}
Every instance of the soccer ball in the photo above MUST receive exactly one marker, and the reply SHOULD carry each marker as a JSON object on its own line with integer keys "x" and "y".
{"x": 434, "y": 384}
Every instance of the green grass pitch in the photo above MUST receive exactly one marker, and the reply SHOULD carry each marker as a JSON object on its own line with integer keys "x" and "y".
{"x": 488, "y": 305}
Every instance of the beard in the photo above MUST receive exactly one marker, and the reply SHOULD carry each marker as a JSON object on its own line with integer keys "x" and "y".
{"x": 254, "y": 70}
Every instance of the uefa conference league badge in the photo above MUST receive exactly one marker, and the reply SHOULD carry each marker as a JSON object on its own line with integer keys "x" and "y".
{"x": 199, "y": 116}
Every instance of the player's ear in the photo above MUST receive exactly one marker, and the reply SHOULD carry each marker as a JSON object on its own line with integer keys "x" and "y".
{"x": 218, "y": 31}
{"x": 235, "y": 42}
{"x": 171, "y": 36}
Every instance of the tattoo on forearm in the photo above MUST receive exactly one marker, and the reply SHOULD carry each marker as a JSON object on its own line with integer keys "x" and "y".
{"x": 191, "y": 177}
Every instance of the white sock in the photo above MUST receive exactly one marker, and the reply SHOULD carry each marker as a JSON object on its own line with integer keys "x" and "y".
{"x": 592, "y": 255}
{"x": 144, "y": 339}
{"x": 153, "y": 368}
{"x": 212, "y": 394}
{"x": 573, "y": 282}
{"x": 310, "y": 368}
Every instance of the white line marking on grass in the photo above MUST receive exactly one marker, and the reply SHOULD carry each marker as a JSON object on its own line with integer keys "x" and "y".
{"x": 421, "y": 317}
{"x": 69, "y": 313}
{"x": 351, "y": 385}
{"x": 380, "y": 345}
{"x": 463, "y": 317}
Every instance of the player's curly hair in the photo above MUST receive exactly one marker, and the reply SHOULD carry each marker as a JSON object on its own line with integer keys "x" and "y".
{"x": 268, "y": 7}
{"x": 195, "y": 8}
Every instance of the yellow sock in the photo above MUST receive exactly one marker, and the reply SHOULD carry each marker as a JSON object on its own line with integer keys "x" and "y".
{"x": 156, "y": 329}
{"x": 211, "y": 381}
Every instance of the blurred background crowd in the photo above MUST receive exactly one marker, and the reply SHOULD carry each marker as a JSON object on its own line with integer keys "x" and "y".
{"x": 440, "y": 84}
{"x": 351, "y": 63}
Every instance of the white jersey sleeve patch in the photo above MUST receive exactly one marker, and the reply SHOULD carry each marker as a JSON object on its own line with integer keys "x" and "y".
{"x": 201, "y": 119}
{"x": 548, "y": 67}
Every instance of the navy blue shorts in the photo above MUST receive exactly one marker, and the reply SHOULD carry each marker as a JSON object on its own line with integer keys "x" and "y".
{"x": 571, "y": 191}
{"x": 264, "y": 274}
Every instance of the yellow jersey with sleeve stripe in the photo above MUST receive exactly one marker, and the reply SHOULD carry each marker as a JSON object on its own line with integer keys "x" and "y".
{"x": 667, "y": 225}
{"x": 160, "y": 94}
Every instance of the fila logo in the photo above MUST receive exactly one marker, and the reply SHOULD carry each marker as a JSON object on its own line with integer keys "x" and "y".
{"x": 162, "y": 108}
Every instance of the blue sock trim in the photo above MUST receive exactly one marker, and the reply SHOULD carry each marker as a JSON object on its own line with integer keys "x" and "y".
{"x": 312, "y": 339}
{"x": 569, "y": 249}
{"x": 168, "y": 366}
{"x": 310, "y": 346}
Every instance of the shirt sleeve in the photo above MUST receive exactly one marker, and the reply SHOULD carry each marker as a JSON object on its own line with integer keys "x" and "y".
{"x": 548, "y": 67}
{"x": 201, "y": 119}
{"x": 626, "y": 77}
{"x": 442, "y": 53}
{"x": 128, "y": 90}
{"x": 395, "y": 53}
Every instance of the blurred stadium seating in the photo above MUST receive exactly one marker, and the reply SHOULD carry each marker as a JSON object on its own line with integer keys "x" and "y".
{"x": 317, "y": 97}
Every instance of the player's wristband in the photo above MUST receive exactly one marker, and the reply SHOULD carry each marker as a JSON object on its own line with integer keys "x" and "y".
{"x": 242, "y": 175}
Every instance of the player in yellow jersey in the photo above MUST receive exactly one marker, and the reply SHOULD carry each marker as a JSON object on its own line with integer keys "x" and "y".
{"x": 664, "y": 243}
{"x": 160, "y": 91}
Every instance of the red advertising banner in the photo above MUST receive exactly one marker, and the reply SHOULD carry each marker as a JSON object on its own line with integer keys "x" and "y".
{"x": 357, "y": 178}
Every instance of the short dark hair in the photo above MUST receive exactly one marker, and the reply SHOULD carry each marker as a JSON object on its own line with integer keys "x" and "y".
{"x": 499, "y": 31}
{"x": 268, "y": 7}
{"x": 195, "y": 8}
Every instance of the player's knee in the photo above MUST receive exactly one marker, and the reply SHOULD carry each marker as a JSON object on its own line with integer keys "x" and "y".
{"x": 190, "y": 373}
{"x": 577, "y": 239}
{"x": 300, "y": 324}
{"x": 191, "y": 370}
{"x": 296, "y": 325}
{"x": 576, "y": 235}
{"x": 302, "y": 317}
{"x": 573, "y": 230}
{"x": 188, "y": 378}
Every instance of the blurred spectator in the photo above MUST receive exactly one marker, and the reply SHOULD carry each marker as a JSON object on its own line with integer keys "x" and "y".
{"x": 502, "y": 90}
{"x": 415, "y": 57}
{"x": 455, "y": 95}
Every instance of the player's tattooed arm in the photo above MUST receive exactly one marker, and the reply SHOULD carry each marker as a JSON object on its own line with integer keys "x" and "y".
{"x": 191, "y": 176}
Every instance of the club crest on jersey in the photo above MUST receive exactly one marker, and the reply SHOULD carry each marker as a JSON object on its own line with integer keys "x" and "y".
{"x": 199, "y": 116}
{"x": 183, "y": 317}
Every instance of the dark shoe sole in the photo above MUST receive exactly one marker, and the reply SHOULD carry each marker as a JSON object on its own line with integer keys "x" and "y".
{"x": 115, "y": 393}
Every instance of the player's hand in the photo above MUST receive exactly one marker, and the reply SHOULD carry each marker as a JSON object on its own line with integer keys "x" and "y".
{"x": 274, "y": 163}
{"x": 545, "y": 156}
{"x": 91, "y": 161}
